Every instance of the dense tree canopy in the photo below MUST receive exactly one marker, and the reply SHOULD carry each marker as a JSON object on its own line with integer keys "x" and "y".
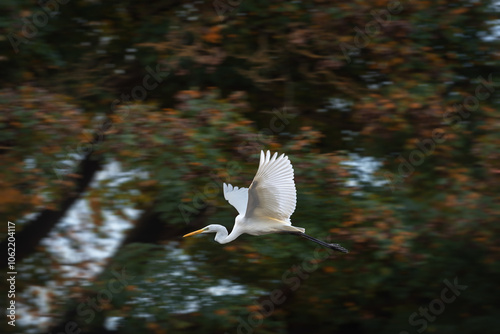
{"x": 136, "y": 113}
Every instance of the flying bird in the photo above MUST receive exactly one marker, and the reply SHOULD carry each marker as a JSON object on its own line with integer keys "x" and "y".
{"x": 266, "y": 206}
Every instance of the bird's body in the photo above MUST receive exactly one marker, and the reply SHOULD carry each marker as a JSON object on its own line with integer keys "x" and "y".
{"x": 266, "y": 206}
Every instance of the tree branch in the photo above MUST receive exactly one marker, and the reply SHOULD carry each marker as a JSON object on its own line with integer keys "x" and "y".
{"x": 34, "y": 231}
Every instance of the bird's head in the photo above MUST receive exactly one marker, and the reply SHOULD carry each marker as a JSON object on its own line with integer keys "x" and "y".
{"x": 207, "y": 229}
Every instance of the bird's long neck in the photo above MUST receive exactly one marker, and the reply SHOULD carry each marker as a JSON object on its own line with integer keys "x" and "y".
{"x": 222, "y": 236}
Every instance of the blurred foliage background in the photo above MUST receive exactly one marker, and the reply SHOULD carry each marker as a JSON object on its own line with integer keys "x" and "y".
{"x": 120, "y": 120}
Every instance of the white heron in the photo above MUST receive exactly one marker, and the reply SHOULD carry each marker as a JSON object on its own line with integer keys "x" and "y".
{"x": 266, "y": 206}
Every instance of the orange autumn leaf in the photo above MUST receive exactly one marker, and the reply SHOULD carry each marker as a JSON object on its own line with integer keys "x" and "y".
{"x": 253, "y": 308}
{"x": 459, "y": 11}
{"x": 9, "y": 196}
{"x": 329, "y": 269}
{"x": 152, "y": 325}
{"x": 213, "y": 35}
{"x": 221, "y": 312}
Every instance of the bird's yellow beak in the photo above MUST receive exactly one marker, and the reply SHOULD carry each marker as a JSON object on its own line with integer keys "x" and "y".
{"x": 193, "y": 233}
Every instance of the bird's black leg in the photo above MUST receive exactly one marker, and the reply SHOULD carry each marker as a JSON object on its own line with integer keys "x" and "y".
{"x": 335, "y": 247}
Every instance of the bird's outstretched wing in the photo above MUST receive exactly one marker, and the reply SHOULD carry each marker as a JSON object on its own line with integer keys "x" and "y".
{"x": 237, "y": 197}
{"x": 272, "y": 193}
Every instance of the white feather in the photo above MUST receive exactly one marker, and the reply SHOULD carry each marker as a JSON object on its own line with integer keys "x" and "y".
{"x": 237, "y": 197}
{"x": 272, "y": 194}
